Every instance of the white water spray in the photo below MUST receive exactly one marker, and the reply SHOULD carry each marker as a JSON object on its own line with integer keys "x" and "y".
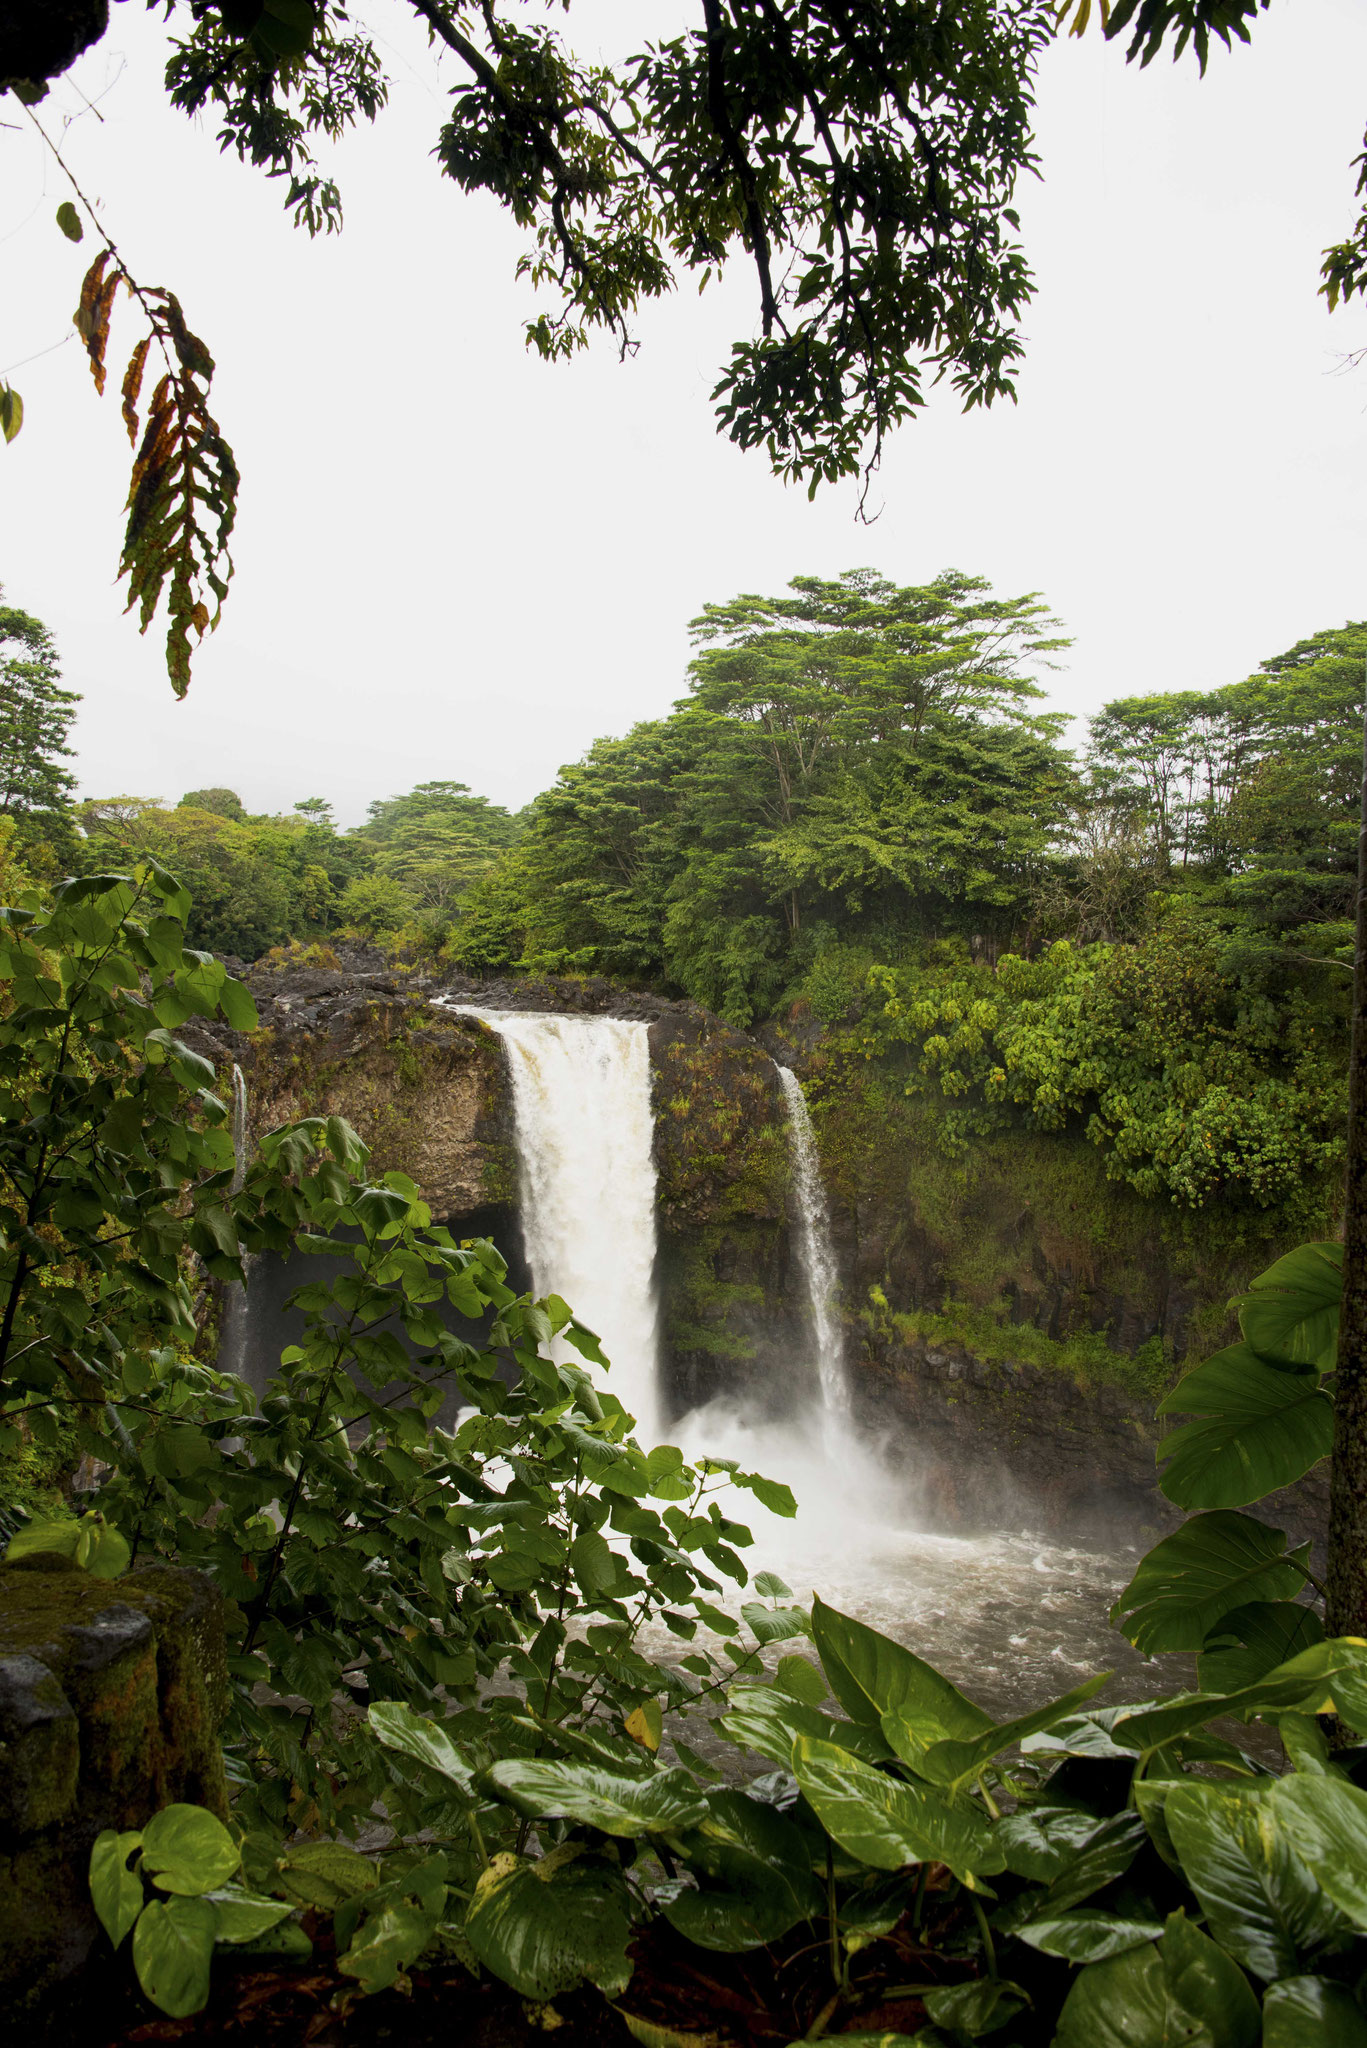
{"x": 816, "y": 1252}
{"x": 585, "y": 1132}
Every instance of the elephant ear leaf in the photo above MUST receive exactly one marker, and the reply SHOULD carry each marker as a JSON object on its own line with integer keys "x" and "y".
{"x": 871, "y": 1676}
{"x": 1258, "y": 1427}
{"x": 1212, "y": 1565}
{"x": 1290, "y": 1315}
{"x": 1254, "y": 1640}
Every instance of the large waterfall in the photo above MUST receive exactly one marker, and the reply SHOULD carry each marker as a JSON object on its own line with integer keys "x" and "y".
{"x": 816, "y": 1253}
{"x": 581, "y": 1103}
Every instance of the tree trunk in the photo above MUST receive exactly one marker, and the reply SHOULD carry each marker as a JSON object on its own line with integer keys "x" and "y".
{"x": 1347, "y": 1576}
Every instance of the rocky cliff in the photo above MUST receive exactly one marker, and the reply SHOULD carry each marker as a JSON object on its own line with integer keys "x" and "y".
{"x": 1012, "y": 1316}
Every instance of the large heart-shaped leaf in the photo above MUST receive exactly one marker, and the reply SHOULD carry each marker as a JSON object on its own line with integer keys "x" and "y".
{"x": 768, "y": 1721}
{"x": 1253, "y": 1640}
{"x": 1261, "y": 1902}
{"x": 1325, "y": 1822}
{"x": 754, "y": 1869}
{"x": 1183, "y": 1989}
{"x": 186, "y": 1849}
{"x": 398, "y": 1727}
{"x": 1087, "y": 1937}
{"x": 173, "y": 1944}
{"x": 1290, "y": 1315}
{"x": 871, "y": 1675}
{"x": 544, "y": 1927}
{"x": 115, "y": 1890}
{"x": 1202, "y": 1572}
{"x": 663, "y": 1803}
{"x": 889, "y": 1824}
{"x": 944, "y": 1763}
{"x": 244, "y": 1915}
{"x": 1257, "y": 1428}
{"x": 1312, "y": 2012}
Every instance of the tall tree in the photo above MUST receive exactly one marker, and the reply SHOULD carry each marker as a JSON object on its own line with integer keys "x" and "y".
{"x": 36, "y": 715}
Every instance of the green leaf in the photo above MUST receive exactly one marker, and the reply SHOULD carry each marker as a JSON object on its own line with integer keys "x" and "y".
{"x": 1212, "y": 1565}
{"x": 1182, "y": 1990}
{"x": 761, "y": 1718}
{"x": 244, "y": 1915}
{"x": 187, "y": 1849}
{"x": 1290, "y": 1315}
{"x": 775, "y": 1624}
{"x": 1253, "y": 1640}
{"x": 871, "y": 1675}
{"x": 888, "y": 1824}
{"x": 1087, "y": 1937}
{"x": 976, "y": 2008}
{"x": 1325, "y": 1823}
{"x": 238, "y": 1006}
{"x": 544, "y": 1927}
{"x": 390, "y": 1940}
{"x": 754, "y": 1869}
{"x": 69, "y": 221}
{"x": 1260, "y": 1901}
{"x": 1258, "y": 1429}
{"x": 398, "y": 1727}
{"x": 946, "y": 1762}
{"x": 664, "y": 1802}
{"x": 325, "y": 1874}
{"x": 115, "y": 1890}
{"x": 173, "y": 1944}
{"x": 11, "y": 412}
{"x": 1311, "y": 2012}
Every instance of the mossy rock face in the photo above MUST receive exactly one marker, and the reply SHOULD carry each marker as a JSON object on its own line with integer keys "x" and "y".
{"x": 427, "y": 1089}
{"x": 111, "y": 1693}
{"x": 721, "y": 1152}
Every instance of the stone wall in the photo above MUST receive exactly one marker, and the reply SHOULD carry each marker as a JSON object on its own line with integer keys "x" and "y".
{"x": 111, "y": 1693}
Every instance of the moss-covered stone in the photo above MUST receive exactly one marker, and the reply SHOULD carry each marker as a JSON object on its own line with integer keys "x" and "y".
{"x": 427, "y": 1090}
{"x": 111, "y": 1693}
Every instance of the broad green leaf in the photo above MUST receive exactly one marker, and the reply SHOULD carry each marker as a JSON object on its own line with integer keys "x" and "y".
{"x": 1039, "y": 1842}
{"x": 761, "y": 1718}
{"x": 1258, "y": 1428}
{"x": 1187, "y": 1583}
{"x": 115, "y": 1890}
{"x": 245, "y": 1916}
{"x": 1106, "y": 1855}
{"x": 173, "y": 1945}
{"x": 979, "y": 2007}
{"x": 888, "y": 1824}
{"x": 1290, "y": 1315}
{"x": 544, "y": 1927}
{"x": 390, "y": 1940}
{"x": 754, "y": 1869}
{"x": 1325, "y": 1822}
{"x": 398, "y": 1727}
{"x": 1182, "y": 1990}
{"x": 187, "y": 1849}
{"x": 775, "y": 1624}
{"x": 664, "y": 1802}
{"x": 871, "y": 1675}
{"x": 238, "y": 1006}
{"x": 1087, "y": 1937}
{"x": 1259, "y": 1899}
{"x": 1253, "y": 1641}
{"x": 801, "y": 1680}
{"x": 946, "y": 1762}
{"x": 1312, "y": 2012}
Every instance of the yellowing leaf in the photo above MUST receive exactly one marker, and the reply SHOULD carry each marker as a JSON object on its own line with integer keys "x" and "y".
{"x": 645, "y": 1724}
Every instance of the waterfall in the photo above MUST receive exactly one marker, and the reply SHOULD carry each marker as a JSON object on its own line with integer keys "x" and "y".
{"x": 816, "y": 1253}
{"x": 585, "y": 1137}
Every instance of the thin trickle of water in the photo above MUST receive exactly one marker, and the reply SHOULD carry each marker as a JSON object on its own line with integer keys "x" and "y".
{"x": 816, "y": 1252}
{"x": 585, "y": 1138}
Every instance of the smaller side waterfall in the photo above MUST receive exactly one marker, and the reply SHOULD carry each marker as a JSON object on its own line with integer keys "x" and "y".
{"x": 816, "y": 1253}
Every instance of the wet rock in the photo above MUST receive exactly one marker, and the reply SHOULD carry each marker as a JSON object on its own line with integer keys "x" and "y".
{"x": 111, "y": 1693}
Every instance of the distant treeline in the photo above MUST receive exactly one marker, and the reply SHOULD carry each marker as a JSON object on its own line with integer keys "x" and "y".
{"x": 862, "y": 805}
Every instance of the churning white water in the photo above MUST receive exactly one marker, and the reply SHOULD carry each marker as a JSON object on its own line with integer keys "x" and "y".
{"x": 585, "y": 1132}
{"x": 816, "y": 1252}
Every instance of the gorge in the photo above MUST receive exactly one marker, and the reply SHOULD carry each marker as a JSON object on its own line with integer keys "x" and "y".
{"x": 661, "y": 1171}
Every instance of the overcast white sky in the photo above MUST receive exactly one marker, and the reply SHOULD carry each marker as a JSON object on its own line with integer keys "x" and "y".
{"x": 453, "y": 560}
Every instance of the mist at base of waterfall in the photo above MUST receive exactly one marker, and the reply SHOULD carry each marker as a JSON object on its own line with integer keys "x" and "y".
{"x": 1011, "y": 1617}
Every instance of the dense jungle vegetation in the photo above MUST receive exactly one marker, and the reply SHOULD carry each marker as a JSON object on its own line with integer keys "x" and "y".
{"x": 864, "y": 808}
